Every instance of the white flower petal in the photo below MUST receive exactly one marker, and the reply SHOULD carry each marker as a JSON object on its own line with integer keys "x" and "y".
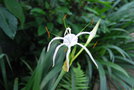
{"x": 54, "y": 56}
{"x": 56, "y": 38}
{"x": 81, "y": 33}
{"x": 88, "y": 52}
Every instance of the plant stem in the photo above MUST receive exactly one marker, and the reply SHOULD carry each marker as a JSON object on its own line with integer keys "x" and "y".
{"x": 58, "y": 79}
{"x": 93, "y": 33}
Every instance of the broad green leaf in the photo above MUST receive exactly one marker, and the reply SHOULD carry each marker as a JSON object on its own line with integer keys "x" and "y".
{"x": 41, "y": 30}
{"x": 15, "y": 8}
{"x": 8, "y": 23}
{"x": 38, "y": 11}
{"x": 64, "y": 10}
{"x": 50, "y": 26}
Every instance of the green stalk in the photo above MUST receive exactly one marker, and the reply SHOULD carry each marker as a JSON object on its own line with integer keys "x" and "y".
{"x": 88, "y": 41}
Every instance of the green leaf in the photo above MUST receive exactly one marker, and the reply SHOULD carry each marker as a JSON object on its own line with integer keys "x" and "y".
{"x": 27, "y": 65}
{"x": 50, "y": 26}
{"x": 8, "y": 23}
{"x": 50, "y": 75}
{"x": 128, "y": 80}
{"x": 115, "y": 66}
{"x": 1, "y": 56}
{"x": 103, "y": 83}
{"x": 112, "y": 57}
{"x": 43, "y": 69}
{"x": 124, "y": 13}
{"x": 92, "y": 10}
{"x": 8, "y": 61}
{"x": 4, "y": 74}
{"x": 125, "y": 59}
{"x": 41, "y": 30}
{"x": 15, "y": 84}
{"x": 117, "y": 82}
{"x": 120, "y": 50}
{"x": 15, "y": 8}
{"x": 38, "y": 11}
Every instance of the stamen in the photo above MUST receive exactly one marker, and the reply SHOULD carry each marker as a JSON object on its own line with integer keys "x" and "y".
{"x": 67, "y": 31}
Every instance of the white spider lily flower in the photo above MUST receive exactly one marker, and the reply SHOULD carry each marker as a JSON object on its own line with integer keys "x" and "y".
{"x": 70, "y": 40}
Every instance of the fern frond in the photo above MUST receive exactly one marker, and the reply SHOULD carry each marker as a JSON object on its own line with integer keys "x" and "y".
{"x": 74, "y": 80}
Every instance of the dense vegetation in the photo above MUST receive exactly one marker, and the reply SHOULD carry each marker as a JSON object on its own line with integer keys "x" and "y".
{"x": 27, "y": 26}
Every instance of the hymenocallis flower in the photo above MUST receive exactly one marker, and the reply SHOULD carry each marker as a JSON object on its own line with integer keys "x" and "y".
{"x": 70, "y": 40}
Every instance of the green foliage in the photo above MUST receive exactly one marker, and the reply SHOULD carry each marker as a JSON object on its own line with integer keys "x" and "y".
{"x": 121, "y": 13}
{"x": 3, "y": 69}
{"x": 44, "y": 73}
{"x": 15, "y": 8}
{"x": 75, "y": 80}
{"x": 42, "y": 20}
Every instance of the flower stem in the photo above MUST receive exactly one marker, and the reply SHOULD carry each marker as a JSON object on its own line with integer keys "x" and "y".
{"x": 58, "y": 80}
{"x": 93, "y": 33}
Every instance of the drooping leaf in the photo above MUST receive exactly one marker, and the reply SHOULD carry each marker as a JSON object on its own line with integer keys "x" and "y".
{"x": 4, "y": 73}
{"x": 115, "y": 66}
{"x": 124, "y": 13}
{"x": 102, "y": 76}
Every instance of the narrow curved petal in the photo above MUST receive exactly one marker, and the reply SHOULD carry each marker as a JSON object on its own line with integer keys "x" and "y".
{"x": 88, "y": 52}
{"x": 56, "y": 53}
{"x": 67, "y": 57}
{"x": 81, "y": 33}
{"x": 56, "y": 38}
